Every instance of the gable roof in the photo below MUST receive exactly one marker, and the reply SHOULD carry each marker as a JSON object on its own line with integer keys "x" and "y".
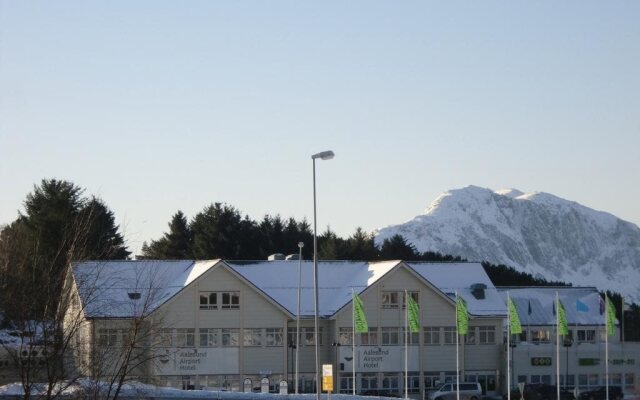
{"x": 336, "y": 279}
{"x": 108, "y": 288}
{"x": 105, "y": 286}
{"x": 535, "y": 304}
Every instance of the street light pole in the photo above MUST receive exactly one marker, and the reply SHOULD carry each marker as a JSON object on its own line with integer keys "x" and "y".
{"x": 325, "y": 155}
{"x": 300, "y": 246}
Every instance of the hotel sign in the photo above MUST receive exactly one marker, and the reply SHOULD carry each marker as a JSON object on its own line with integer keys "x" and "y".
{"x": 187, "y": 361}
{"x": 379, "y": 358}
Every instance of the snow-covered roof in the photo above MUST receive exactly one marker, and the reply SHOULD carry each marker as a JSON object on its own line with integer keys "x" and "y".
{"x": 535, "y": 305}
{"x": 458, "y": 277}
{"x": 279, "y": 281}
{"x": 110, "y": 288}
{"x": 121, "y": 289}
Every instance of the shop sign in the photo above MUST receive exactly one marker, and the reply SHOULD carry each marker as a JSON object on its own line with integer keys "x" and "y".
{"x": 541, "y": 361}
{"x": 585, "y": 362}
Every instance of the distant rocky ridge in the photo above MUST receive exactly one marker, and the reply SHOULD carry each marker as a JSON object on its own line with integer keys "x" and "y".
{"x": 537, "y": 233}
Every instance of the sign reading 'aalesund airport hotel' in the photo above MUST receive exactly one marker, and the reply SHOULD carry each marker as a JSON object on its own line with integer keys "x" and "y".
{"x": 374, "y": 359}
{"x": 210, "y": 360}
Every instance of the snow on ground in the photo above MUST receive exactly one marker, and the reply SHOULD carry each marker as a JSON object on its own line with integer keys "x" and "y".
{"x": 141, "y": 390}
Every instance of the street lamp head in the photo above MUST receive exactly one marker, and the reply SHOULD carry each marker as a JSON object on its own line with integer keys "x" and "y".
{"x": 300, "y": 244}
{"x": 325, "y": 155}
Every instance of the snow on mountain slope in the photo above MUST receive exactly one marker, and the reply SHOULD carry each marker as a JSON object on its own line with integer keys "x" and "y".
{"x": 537, "y": 233}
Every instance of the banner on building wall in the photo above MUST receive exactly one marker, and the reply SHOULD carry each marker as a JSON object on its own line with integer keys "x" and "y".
{"x": 204, "y": 360}
{"x": 378, "y": 359}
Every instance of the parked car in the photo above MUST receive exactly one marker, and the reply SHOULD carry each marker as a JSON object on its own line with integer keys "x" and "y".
{"x": 540, "y": 392}
{"x": 615, "y": 393}
{"x": 447, "y": 391}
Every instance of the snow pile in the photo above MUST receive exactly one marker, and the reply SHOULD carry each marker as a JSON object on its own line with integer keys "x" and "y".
{"x": 537, "y": 233}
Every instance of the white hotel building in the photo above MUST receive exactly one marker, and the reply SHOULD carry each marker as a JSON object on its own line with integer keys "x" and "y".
{"x": 217, "y": 324}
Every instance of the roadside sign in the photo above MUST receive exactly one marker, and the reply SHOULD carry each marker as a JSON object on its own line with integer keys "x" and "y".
{"x": 246, "y": 385}
{"x": 264, "y": 385}
{"x": 327, "y": 377}
{"x": 521, "y": 389}
{"x": 284, "y": 387}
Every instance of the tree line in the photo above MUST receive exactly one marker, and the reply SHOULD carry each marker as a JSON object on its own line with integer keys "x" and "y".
{"x": 60, "y": 223}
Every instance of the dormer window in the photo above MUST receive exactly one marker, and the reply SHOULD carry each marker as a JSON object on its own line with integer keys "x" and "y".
{"x": 134, "y": 295}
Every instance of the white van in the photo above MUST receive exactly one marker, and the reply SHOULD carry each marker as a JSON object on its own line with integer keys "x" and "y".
{"x": 447, "y": 391}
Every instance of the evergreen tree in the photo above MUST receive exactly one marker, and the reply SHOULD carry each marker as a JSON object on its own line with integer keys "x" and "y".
{"x": 216, "y": 233}
{"x": 175, "y": 244}
{"x": 360, "y": 246}
{"x": 57, "y": 226}
{"x": 397, "y": 248}
{"x": 102, "y": 241}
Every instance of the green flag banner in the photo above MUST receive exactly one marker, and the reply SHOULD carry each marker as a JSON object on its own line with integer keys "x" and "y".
{"x": 462, "y": 316}
{"x": 360, "y": 320}
{"x": 514, "y": 319}
{"x": 610, "y": 316}
{"x": 413, "y": 311}
{"x": 563, "y": 327}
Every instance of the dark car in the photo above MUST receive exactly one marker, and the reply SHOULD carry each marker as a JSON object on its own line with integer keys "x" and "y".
{"x": 541, "y": 392}
{"x": 615, "y": 393}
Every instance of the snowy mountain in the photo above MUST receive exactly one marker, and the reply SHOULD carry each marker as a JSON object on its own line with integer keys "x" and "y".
{"x": 537, "y": 233}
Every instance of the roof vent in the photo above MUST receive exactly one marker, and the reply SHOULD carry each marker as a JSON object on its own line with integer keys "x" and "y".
{"x": 477, "y": 290}
{"x": 292, "y": 257}
{"x": 134, "y": 295}
{"x": 276, "y": 257}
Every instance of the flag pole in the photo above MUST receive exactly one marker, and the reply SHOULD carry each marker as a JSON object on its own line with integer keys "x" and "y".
{"x": 557, "y": 346}
{"x": 508, "y": 348}
{"x": 406, "y": 347}
{"x": 457, "y": 352}
{"x": 606, "y": 346}
{"x": 353, "y": 342}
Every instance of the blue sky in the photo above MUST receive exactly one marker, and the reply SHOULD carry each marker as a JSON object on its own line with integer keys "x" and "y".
{"x": 159, "y": 106}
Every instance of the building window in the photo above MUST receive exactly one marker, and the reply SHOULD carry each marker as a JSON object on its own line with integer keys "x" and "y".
{"x": 346, "y": 383}
{"x": 186, "y": 337}
{"x": 230, "y": 300}
{"x": 486, "y": 335}
{"x": 370, "y": 338}
{"x": 431, "y": 380}
{"x": 629, "y": 380}
{"x": 544, "y": 379}
{"x": 208, "y": 300}
{"x": 431, "y": 335}
{"x": 107, "y": 337}
{"x": 291, "y": 336}
{"x": 615, "y": 379}
{"x": 345, "y": 336}
{"x": 390, "y": 382}
{"x": 522, "y": 337}
{"x": 413, "y": 338}
{"x": 389, "y": 300}
{"x": 570, "y": 381}
{"x": 540, "y": 336}
{"x": 449, "y": 335}
{"x": 414, "y": 295}
{"x": 230, "y": 337}
{"x": 164, "y": 338}
{"x": 392, "y": 299}
{"x": 208, "y": 337}
{"x": 586, "y": 335}
{"x": 413, "y": 379}
{"x": 470, "y": 337}
{"x": 307, "y": 338}
{"x": 368, "y": 381}
{"x": 253, "y": 337}
{"x": 390, "y": 336}
{"x": 274, "y": 337}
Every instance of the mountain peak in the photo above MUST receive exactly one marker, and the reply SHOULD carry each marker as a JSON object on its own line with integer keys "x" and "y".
{"x": 538, "y": 233}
